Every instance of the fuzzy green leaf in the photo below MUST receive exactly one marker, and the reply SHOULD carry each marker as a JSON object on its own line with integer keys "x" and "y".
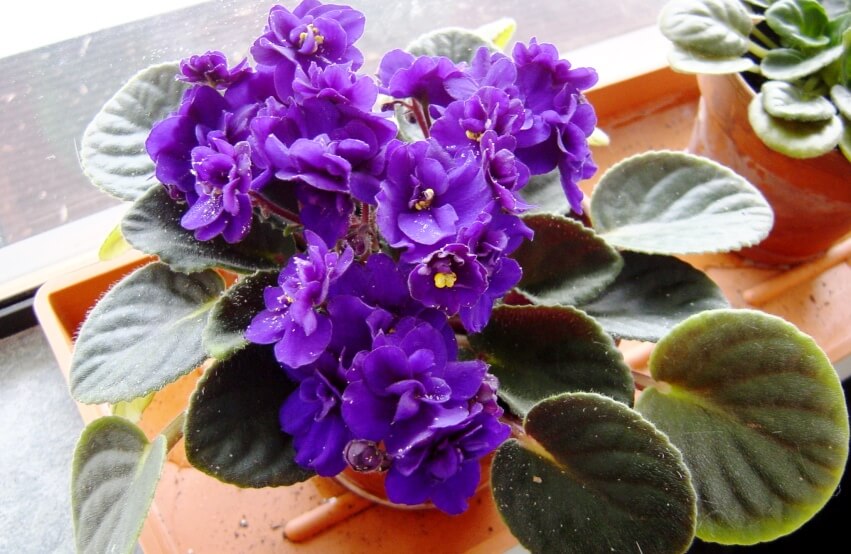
{"x": 800, "y": 23}
{"x": 539, "y": 351}
{"x": 152, "y": 225}
{"x": 760, "y": 417}
{"x": 113, "y": 479}
{"x": 841, "y": 97}
{"x": 455, "y": 43}
{"x": 593, "y": 476}
{"x": 785, "y": 64}
{"x": 676, "y": 203}
{"x": 567, "y": 263}
{"x": 232, "y": 427}
{"x": 229, "y": 318}
{"x": 688, "y": 61}
{"x": 787, "y": 101}
{"x": 545, "y": 193}
{"x": 112, "y": 152}
{"x": 652, "y": 295}
{"x": 796, "y": 139}
{"x": 710, "y": 28}
{"x": 143, "y": 334}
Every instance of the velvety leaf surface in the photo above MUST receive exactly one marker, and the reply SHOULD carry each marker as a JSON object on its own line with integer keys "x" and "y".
{"x": 651, "y": 295}
{"x": 787, "y": 101}
{"x": 545, "y": 194}
{"x": 143, "y": 334}
{"x": 688, "y": 61}
{"x": 537, "y": 352}
{"x": 152, "y": 225}
{"x": 713, "y": 28}
{"x": 594, "y": 477}
{"x": 676, "y": 203}
{"x": 801, "y": 23}
{"x": 112, "y": 152}
{"x": 233, "y": 312}
{"x": 841, "y": 97}
{"x": 113, "y": 478}
{"x": 232, "y": 428}
{"x": 567, "y": 263}
{"x": 455, "y": 43}
{"x": 787, "y": 64}
{"x": 759, "y": 414}
{"x": 845, "y": 141}
{"x": 796, "y": 139}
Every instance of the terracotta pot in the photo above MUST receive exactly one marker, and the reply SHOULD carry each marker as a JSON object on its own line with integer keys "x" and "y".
{"x": 811, "y": 198}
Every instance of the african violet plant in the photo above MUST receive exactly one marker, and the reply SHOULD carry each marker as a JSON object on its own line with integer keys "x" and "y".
{"x": 366, "y": 271}
{"x": 796, "y": 54}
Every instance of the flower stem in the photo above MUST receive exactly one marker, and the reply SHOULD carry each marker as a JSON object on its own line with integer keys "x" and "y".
{"x": 642, "y": 380}
{"x": 173, "y": 432}
{"x": 421, "y": 117}
{"x": 274, "y": 208}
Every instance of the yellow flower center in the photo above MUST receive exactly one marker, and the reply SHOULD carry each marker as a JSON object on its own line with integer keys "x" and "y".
{"x": 473, "y": 135}
{"x": 445, "y": 280}
{"x": 317, "y": 38}
{"x": 428, "y": 196}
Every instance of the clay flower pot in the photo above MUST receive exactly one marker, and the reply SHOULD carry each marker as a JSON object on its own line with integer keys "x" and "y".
{"x": 811, "y": 198}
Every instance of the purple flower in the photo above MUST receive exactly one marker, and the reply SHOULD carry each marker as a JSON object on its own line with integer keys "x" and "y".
{"x": 448, "y": 279}
{"x": 427, "y": 197}
{"x": 311, "y": 33}
{"x": 504, "y": 172}
{"x": 465, "y": 121}
{"x": 444, "y": 467}
{"x": 211, "y": 68}
{"x": 223, "y": 177}
{"x": 423, "y": 78}
{"x": 291, "y": 321}
{"x": 336, "y": 83}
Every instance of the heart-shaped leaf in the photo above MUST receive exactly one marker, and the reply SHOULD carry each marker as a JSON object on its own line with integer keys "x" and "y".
{"x": 143, "y": 334}
{"x": 455, "y": 43}
{"x": 796, "y": 139}
{"x": 676, "y": 203}
{"x": 152, "y": 225}
{"x": 760, "y": 417}
{"x": 652, "y": 295}
{"x": 593, "y": 476}
{"x": 112, "y": 152}
{"x": 800, "y": 23}
{"x": 231, "y": 315}
{"x": 567, "y": 263}
{"x": 787, "y": 101}
{"x": 786, "y": 64}
{"x": 545, "y": 193}
{"x": 688, "y": 61}
{"x": 711, "y": 28}
{"x": 841, "y": 97}
{"x": 113, "y": 479}
{"x": 232, "y": 427}
{"x": 539, "y": 351}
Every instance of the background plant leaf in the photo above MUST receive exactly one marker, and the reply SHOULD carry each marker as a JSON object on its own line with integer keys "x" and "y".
{"x": 132, "y": 410}
{"x": 760, "y": 417}
{"x": 498, "y": 32}
{"x": 712, "y": 28}
{"x": 152, "y": 225}
{"x": 113, "y": 479}
{"x": 676, "y": 203}
{"x": 796, "y": 139}
{"x": 787, "y": 101}
{"x": 786, "y": 64}
{"x": 540, "y": 351}
{"x": 688, "y": 61}
{"x": 112, "y": 152}
{"x": 800, "y": 23}
{"x": 594, "y": 477}
{"x": 567, "y": 263}
{"x": 652, "y": 295}
{"x": 232, "y": 427}
{"x": 143, "y": 334}
{"x": 113, "y": 245}
{"x": 455, "y": 43}
{"x": 230, "y": 316}
{"x": 546, "y": 194}
{"x": 841, "y": 97}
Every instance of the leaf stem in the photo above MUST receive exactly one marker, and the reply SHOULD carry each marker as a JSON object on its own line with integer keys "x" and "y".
{"x": 174, "y": 430}
{"x": 757, "y": 50}
{"x": 766, "y": 40}
{"x": 274, "y": 208}
{"x": 642, "y": 380}
{"x": 421, "y": 117}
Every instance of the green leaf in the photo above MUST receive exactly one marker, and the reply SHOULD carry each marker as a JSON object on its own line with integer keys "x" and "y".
{"x": 845, "y": 141}
{"x": 800, "y": 23}
{"x": 152, "y": 225}
{"x": 784, "y": 64}
{"x": 566, "y": 263}
{"x": 113, "y": 479}
{"x": 231, "y": 315}
{"x": 132, "y": 410}
{"x": 112, "y": 152}
{"x": 841, "y": 97}
{"x": 232, "y": 427}
{"x": 457, "y": 44}
{"x": 688, "y": 61}
{"x": 652, "y": 295}
{"x": 676, "y": 203}
{"x": 593, "y": 476}
{"x": 545, "y": 193}
{"x": 796, "y": 139}
{"x": 711, "y": 28}
{"x": 114, "y": 245}
{"x": 498, "y": 32}
{"x": 787, "y": 101}
{"x": 539, "y": 351}
{"x": 760, "y": 417}
{"x": 143, "y": 334}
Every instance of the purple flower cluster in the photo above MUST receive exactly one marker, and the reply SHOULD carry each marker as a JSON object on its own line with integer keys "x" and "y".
{"x": 400, "y": 239}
